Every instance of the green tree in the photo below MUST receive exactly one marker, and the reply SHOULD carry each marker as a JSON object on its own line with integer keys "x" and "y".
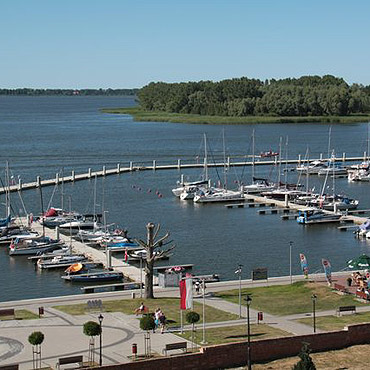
{"x": 35, "y": 339}
{"x": 92, "y": 329}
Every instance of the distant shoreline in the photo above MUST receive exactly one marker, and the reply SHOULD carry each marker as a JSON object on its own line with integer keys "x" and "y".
{"x": 141, "y": 115}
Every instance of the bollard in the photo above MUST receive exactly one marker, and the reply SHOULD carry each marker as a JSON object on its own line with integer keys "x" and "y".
{"x": 344, "y": 157}
{"x": 133, "y": 295}
{"x": 89, "y": 173}
{"x": 154, "y": 164}
{"x": 57, "y": 178}
{"x": 19, "y": 184}
{"x": 286, "y": 201}
{"x": 299, "y": 159}
{"x": 118, "y": 168}
{"x": 104, "y": 171}
{"x": 131, "y": 166}
{"x": 179, "y": 163}
{"x": 38, "y": 181}
{"x": 109, "y": 258}
{"x": 335, "y": 208}
{"x": 73, "y": 176}
{"x": 320, "y": 156}
{"x": 57, "y": 233}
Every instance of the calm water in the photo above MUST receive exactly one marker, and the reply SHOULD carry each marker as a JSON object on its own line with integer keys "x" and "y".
{"x": 46, "y": 135}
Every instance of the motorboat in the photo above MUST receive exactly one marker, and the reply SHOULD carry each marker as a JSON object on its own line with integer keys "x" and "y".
{"x": 333, "y": 171}
{"x": 79, "y": 224}
{"x": 218, "y": 195}
{"x": 190, "y": 191}
{"x": 269, "y": 154}
{"x": 188, "y": 187}
{"x": 33, "y": 246}
{"x": 137, "y": 255}
{"x": 340, "y": 203}
{"x": 314, "y": 216}
{"x": 60, "y": 261}
{"x": 312, "y": 168}
{"x": 81, "y": 273}
{"x": 10, "y": 234}
{"x": 363, "y": 229}
{"x": 258, "y": 186}
{"x": 359, "y": 175}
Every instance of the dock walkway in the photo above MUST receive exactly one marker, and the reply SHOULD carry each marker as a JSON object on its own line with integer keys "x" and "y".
{"x": 154, "y": 166}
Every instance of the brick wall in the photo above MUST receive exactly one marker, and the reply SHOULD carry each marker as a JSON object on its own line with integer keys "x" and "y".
{"x": 235, "y": 354}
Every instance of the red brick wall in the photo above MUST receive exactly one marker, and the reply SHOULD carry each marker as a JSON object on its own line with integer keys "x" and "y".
{"x": 235, "y": 354}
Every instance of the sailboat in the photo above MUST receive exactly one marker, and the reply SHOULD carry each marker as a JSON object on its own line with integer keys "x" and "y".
{"x": 258, "y": 185}
{"x": 188, "y": 190}
{"x": 215, "y": 195}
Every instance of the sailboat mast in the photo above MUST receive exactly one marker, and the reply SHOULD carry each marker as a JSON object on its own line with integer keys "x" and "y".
{"x": 286, "y": 162}
{"x": 279, "y": 174}
{"x": 62, "y": 195}
{"x": 8, "y": 190}
{"x": 329, "y": 142}
{"x": 253, "y": 155}
{"x": 368, "y": 142}
{"x": 224, "y": 150}
{"x": 205, "y": 158}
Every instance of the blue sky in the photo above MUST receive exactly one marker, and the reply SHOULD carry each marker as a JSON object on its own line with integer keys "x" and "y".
{"x": 129, "y": 43}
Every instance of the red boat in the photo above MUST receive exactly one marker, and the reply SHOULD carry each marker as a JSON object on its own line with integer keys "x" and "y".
{"x": 268, "y": 154}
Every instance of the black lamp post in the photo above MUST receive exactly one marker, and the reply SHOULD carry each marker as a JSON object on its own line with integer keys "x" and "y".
{"x": 100, "y": 317}
{"x": 314, "y": 298}
{"x": 249, "y": 301}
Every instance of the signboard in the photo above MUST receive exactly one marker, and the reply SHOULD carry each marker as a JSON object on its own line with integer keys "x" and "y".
{"x": 259, "y": 274}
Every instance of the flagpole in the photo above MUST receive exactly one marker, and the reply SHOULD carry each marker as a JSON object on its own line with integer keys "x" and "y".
{"x": 290, "y": 262}
{"x": 204, "y": 313}
{"x": 181, "y": 322}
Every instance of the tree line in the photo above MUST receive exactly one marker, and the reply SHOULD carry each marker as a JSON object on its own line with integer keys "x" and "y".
{"x": 304, "y": 96}
{"x": 68, "y": 92}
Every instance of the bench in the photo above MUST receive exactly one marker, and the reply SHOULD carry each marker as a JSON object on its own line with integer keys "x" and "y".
{"x": 7, "y": 312}
{"x": 70, "y": 360}
{"x": 346, "y": 309}
{"x": 173, "y": 346}
{"x": 9, "y": 367}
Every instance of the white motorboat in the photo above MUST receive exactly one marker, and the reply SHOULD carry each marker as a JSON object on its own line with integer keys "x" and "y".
{"x": 333, "y": 171}
{"x": 360, "y": 175}
{"x": 60, "y": 261}
{"x": 314, "y": 216}
{"x": 312, "y": 168}
{"x": 258, "y": 186}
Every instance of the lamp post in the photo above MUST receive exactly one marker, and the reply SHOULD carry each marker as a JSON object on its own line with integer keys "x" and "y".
{"x": 249, "y": 301}
{"x": 204, "y": 313}
{"x": 100, "y": 317}
{"x": 290, "y": 262}
{"x": 239, "y": 272}
{"x": 314, "y": 298}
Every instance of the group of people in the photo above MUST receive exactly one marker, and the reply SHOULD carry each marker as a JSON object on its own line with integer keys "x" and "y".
{"x": 361, "y": 281}
{"x": 159, "y": 317}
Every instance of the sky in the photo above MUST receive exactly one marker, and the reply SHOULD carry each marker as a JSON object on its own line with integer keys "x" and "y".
{"x": 130, "y": 43}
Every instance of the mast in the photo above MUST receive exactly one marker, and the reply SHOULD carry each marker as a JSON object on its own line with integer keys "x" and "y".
{"x": 279, "y": 174}
{"x": 329, "y": 142}
{"x": 62, "y": 195}
{"x": 224, "y": 150}
{"x": 205, "y": 158}
{"x": 253, "y": 154}
{"x": 7, "y": 195}
{"x": 368, "y": 142}
{"x": 286, "y": 162}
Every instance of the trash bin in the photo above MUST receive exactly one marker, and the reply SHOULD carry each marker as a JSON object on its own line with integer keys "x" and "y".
{"x": 41, "y": 311}
{"x": 260, "y": 316}
{"x": 134, "y": 350}
{"x": 133, "y": 295}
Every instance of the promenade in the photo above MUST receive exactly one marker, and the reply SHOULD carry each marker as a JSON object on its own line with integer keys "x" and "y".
{"x": 64, "y": 336}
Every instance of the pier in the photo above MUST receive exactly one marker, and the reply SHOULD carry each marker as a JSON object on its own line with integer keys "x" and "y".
{"x": 155, "y": 166}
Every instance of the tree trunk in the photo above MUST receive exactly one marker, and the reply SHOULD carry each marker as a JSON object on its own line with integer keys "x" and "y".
{"x": 149, "y": 263}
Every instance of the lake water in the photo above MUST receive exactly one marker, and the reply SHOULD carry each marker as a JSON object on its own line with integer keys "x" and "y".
{"x": 45, "y": 135}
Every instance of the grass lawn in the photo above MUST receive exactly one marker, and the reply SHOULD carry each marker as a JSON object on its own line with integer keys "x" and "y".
{"x": 291, "y": 298}
{"x": 337, "y": 322}
{"x": 169, "y": 306}
{"x": 354, "y": 357}
{"x": 21, "y": 315}
{"x": 235, "y": 334}
{"x": 156, "y": 116}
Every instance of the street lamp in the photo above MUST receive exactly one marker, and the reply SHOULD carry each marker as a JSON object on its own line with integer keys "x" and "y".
{"x": 204, "y": 313}
{"x": 249, "y": 301}
{"x": 290, "y": 262}
{"x": 100, "y": 317}
{"x": 314, "y": 298}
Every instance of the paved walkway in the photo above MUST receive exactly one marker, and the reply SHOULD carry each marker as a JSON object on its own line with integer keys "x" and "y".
{"x": 64, "y": 335}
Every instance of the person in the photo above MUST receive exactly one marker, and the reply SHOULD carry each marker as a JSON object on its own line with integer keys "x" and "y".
{"x": 162, "y": 321}
{"x": 157, "y": 315}
{"x": 141, "y": 309}
{"x": 197, "y": 286}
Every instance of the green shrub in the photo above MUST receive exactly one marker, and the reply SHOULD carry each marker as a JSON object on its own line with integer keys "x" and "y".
{"x": 147, "y": 323}
{"x": 92, "y": 329}
{"x": 192, "y": 317}
{"x": 36, "y": 338}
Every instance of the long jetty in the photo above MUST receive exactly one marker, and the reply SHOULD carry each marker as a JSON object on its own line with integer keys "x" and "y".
{"x": 154, "y": 166}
